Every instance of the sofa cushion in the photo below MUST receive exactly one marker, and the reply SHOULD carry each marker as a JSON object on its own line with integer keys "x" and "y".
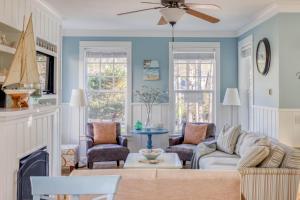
{"x": 247, "y": 140}
{"x": 227, "y": 139}
{"x": 253, "y": 156}
{"x": 211, "y": 128}
{"x": 107, "y": 152}
{"x": 275, "y": 157}
{"x": 219, "y": 161}
{"x": 291, "y": 158}
{"x": 194, "y": 133}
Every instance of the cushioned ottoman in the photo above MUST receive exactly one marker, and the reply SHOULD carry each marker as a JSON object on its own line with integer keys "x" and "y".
{"x": 69, "y": 156}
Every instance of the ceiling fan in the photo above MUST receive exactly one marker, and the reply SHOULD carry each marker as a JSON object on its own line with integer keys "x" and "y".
{"x": 173, "y": 10}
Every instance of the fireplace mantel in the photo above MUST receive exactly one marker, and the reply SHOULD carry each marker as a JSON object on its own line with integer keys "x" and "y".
{"x": 22, "y": 132}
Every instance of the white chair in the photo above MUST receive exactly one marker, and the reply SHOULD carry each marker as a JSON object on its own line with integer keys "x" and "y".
{"x": 75, "y": 186}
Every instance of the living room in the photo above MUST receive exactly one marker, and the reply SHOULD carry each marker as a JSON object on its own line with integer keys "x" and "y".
{"x": 146, "y": 100}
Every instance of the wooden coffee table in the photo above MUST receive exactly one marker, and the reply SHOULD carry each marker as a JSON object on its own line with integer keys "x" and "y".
{"x": 168, "y": 161}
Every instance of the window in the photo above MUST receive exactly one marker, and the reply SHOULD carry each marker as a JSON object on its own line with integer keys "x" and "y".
{"x": 106, "y": 84}
{"x": 194, "y": 85}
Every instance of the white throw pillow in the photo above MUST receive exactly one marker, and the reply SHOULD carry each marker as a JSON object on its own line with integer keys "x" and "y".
{"x": 227, "y": 139}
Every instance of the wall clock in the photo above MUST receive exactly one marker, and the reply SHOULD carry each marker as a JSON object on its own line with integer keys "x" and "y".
{"x": 263, "y": 56}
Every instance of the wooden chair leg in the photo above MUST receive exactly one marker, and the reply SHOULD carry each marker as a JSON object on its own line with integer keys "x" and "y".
{"x": 184, "y": 162}
{"x": 72, "y": 168}
{"x": 118, "y": 163}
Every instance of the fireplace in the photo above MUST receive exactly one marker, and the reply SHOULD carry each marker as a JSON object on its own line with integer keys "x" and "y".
{"x": 35, "y": 164}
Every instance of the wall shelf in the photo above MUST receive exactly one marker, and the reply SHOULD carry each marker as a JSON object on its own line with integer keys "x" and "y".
{"x": 7, "y": 49}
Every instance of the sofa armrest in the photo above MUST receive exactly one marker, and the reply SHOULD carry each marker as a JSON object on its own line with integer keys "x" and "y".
{"x": 210, "y": 140}
{"x": 122, "y": 141}
{"x": 89, "y": 142}
{"x": 255, "y": 183}
{"x": 176, "y": 140}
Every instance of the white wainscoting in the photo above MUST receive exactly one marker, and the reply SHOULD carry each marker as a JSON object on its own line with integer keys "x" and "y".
{"x": 265, "y": 121}
{"x": 289, "y": 127}
{"x": 23, "y": 132}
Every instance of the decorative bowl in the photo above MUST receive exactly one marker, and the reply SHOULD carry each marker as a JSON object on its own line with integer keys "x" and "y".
{"x": 151, "y": 154}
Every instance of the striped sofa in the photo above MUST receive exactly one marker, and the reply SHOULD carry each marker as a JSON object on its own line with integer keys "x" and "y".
{"x": 275, "y": 178}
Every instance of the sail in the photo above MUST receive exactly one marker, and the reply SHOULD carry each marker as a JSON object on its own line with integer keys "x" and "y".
{"x": 24, "y": 68}
{"x": 30, "y": 74}
{"x": 14, "y": 74}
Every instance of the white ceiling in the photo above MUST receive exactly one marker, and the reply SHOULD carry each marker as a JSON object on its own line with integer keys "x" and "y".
{"x": 101, "y": 15}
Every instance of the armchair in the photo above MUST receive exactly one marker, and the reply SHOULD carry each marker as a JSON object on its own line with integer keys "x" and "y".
{"x": 185, "y": 151}
{"x": 105, "y": 152}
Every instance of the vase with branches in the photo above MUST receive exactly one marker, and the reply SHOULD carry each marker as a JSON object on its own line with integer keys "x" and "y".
{"x": 148, "y": 96}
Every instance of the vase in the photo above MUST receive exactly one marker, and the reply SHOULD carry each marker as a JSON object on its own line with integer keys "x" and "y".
{"x": 148, "y": 121}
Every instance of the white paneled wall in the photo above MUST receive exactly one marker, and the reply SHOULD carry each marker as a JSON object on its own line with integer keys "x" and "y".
{"x": 289, "y": 127}
{"x": 23, "y": 132}
{"x": 265, "y": 121}
{"x": 46, "y": 24}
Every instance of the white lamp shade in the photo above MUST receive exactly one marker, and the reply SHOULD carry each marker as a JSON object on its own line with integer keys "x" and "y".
{"x": 77, "y": 98}
{"x": 172, "y": 14}
{"x": 232, "y": 97}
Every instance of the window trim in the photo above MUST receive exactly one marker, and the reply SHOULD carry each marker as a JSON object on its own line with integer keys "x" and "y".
{"x": 111, "y": 45}
{"x": 190, "y": 47}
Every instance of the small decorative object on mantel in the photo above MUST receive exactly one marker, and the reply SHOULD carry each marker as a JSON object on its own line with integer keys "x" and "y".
{"x": 23, "y": 73}
{"x": 149, "y": 96}
{"x": 263, "y": 56}
{"x": 46, "y": 45}
{"x": 151, "y": 70}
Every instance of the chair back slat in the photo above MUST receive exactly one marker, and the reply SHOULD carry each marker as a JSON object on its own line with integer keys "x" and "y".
{"x": 74, "y": 185}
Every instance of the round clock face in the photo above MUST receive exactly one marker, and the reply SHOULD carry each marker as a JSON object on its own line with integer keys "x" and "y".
{"x": 263, "y": 56}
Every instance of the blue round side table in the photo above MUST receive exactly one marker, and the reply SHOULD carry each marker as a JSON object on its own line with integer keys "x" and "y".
{"x": 149, "y": 132}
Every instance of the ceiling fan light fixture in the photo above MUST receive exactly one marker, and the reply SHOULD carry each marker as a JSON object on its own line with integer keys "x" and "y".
{"x": 172, "y": 15}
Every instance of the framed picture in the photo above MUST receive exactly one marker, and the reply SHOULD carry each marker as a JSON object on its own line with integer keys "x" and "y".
{"x": 151, "y": 70}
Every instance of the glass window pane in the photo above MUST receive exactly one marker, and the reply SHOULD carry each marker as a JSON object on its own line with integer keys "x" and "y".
{"x": 121, "y": 60}
{"x": 107, "y": 69}
{"x": 93, "y": 69}
{"x": 93, "y": 83}
{"x": 107, "y": 60}
{"x": 107, "y": 83}
{"x": 106, "y": 106}
{"x": 180, "y": 70}
{"x": 93, "y": 59}
{"x": 120, "y": 70}
{"x": 120, "y": 83}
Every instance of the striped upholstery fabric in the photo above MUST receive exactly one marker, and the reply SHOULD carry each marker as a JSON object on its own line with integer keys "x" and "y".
{"x": 227, "y": 139}
{"x": 253, "y": 157}
{"x": 274, "y": 158}
{"x": 291, "y": 158}
{"x": 247, "y": 140}
{"x": 269, "y": 183}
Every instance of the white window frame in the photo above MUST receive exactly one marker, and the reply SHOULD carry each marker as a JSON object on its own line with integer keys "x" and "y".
{"x": 194, "y": 47}
{"x": 107, "y": 45}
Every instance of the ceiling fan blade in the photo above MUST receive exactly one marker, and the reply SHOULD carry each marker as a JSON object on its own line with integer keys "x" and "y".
{"x": 203, "y": 6}
{"x": 135, "y": 11}
{"x": 202, "y": 16}
{"x": 146, "y": 2}
{"x": 162, "y": 21}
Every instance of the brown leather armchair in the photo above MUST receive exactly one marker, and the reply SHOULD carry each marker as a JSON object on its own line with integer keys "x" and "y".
{"x": 105, "y": 152}
{"x": 185, "y": 151}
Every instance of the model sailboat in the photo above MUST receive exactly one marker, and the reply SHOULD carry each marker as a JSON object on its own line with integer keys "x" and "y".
{"x": 23, "y": 71}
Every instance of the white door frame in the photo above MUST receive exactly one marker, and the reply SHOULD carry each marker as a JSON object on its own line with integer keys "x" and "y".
{"x": 248, "y": 42}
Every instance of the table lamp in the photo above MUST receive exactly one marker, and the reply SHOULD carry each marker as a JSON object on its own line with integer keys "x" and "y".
{"x": 232, "y": 99}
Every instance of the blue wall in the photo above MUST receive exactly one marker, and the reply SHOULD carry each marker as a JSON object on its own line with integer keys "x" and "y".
{"x": 262, "y": 84}
{"x": 283, "y": 33}
{"x": 148, "y": 48}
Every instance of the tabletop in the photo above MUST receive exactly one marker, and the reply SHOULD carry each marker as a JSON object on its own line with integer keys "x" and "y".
{"x": 151, "y": 131}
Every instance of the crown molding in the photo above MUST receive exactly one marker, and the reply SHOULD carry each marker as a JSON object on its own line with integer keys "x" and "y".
{"x": 269, "y": 12}
{"x": 49, "y": 8}
{"x": 147, "y": 33}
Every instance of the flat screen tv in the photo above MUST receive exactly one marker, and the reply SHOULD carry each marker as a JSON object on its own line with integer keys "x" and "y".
{"x": 46, "y": 69}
